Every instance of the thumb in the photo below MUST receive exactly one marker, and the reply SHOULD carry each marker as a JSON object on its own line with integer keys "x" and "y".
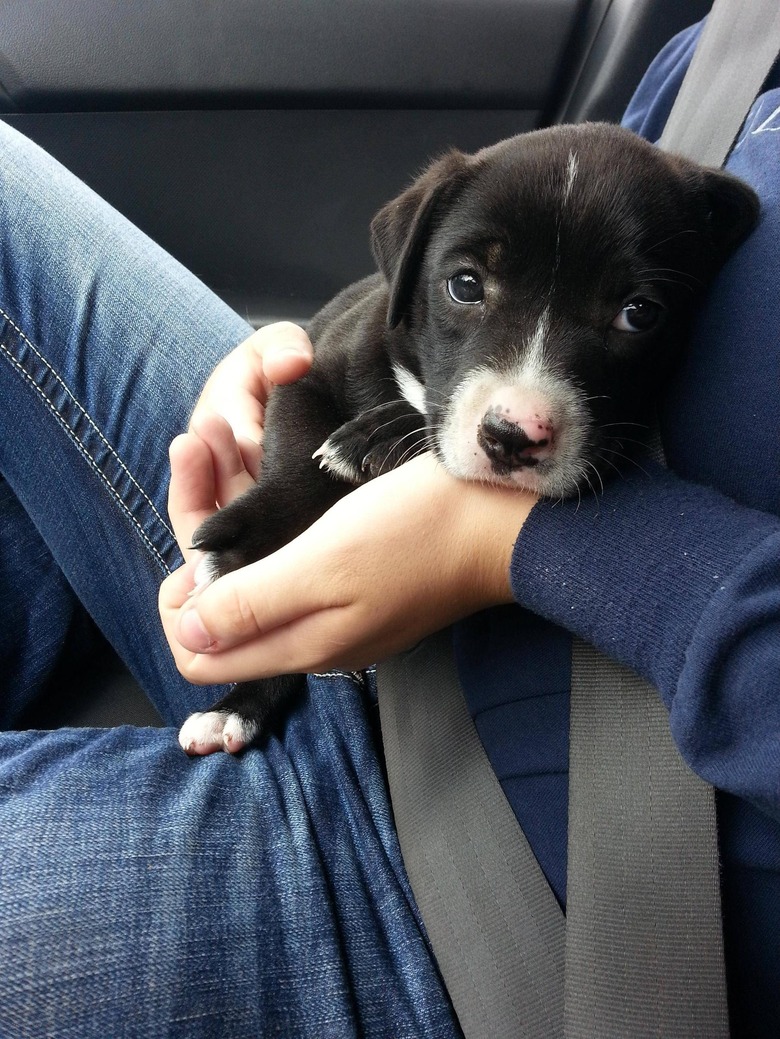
{"x": 285, "y": 350}
{"x": 246, "y": 604}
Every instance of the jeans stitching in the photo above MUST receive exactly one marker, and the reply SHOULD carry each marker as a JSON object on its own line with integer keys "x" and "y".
{"x": 80, "y": 446}
{"x": 355, "y": 676}
{"x": 86, "y": 415}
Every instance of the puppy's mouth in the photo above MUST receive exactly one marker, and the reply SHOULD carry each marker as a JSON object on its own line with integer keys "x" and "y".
{"x": 527, "y": 434}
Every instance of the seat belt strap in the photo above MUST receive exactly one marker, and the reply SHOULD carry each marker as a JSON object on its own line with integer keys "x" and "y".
{"x": 644, "y": 945}
{"x": 736, "y": 51}
{"x": 493, "y": 921}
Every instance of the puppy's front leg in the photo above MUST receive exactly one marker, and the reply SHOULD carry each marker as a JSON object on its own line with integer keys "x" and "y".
{"x": 375, "y": 442}
{"x": 290, "y": 496}
{"x": 291, "y": 493}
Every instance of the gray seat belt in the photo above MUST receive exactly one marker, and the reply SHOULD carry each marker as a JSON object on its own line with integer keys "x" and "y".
{"x": 736, "y": 51}
{"x": 493, "y": 921}
{"x": 643, "y": 946}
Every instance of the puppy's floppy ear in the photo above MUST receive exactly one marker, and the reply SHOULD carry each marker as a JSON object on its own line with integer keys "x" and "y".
{"x": 733, "y": 210}
{"x": 400, "y": 229}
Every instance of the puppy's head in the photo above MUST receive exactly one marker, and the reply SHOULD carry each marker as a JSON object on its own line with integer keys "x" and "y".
{"x": 540, "y": 290}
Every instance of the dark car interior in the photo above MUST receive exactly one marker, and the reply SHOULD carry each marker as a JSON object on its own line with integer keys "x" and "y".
{"x": 255, "y": 139}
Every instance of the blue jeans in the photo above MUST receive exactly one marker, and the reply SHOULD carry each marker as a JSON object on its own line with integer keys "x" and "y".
{"x": 144, "y": 893}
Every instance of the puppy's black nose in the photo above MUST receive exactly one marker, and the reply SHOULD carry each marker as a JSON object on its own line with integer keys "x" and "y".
{"x": 508, "y": 445}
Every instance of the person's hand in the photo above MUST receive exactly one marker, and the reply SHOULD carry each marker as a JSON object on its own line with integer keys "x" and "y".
{"x": 238, "y": 387}
{"x": 395, "y": 560}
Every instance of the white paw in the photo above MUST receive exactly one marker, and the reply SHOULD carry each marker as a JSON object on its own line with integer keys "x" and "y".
{"x": 210, "y": 731}
{"x": 331, "y": 459}
{"x": 206, "y": 571}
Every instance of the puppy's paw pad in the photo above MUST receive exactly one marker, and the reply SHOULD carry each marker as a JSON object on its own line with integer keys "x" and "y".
{"x": 211, "y": 731}
{"x": 336, "y": 462}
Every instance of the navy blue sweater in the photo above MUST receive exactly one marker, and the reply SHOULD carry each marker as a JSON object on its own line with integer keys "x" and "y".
{"x": 676, "y": 574}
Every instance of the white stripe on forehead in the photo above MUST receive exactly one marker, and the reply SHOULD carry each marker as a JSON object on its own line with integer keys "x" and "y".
{"x": 571, "y": 173}
{"x": 532, "y": 358}
{"x": 572, "y": 164}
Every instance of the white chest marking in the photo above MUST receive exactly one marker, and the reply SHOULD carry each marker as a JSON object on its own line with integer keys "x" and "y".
{"x": 412, "y": 390}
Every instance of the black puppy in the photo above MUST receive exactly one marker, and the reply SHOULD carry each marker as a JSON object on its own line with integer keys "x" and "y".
{"x": 531, "y": 299}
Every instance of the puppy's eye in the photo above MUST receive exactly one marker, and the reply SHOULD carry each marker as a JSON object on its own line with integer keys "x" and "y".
{"x": 638, "y": 315}
{"x": 466, "y": 287}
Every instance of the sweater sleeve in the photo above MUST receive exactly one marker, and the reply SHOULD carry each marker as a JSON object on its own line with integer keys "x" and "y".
{"x": 683, "y": 585}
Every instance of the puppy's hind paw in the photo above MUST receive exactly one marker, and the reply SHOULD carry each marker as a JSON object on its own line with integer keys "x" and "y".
{"x": 210, "y": 731}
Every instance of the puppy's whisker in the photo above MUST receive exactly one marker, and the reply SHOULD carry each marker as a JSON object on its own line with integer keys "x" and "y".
{"x": 671, "y": 237}
{"x": 383, "y": 404}
{"x": 628, "y": 458}
{"x": 579, "y": 498}
{"x": 607, "y": 461}
{"x": 675, "y": 281}
{"x": 667, "y": 270}
{"x": 683, "y": 278}
{"x": 598, "y": 475}
{"x": 592, "y": 490}
{"x": 628, "y": 440}
{"x": 411, "y": 433}
{"x": 397, "y": 418}
{"x": 425, "y": 430}
{"x": 427, "y": 441}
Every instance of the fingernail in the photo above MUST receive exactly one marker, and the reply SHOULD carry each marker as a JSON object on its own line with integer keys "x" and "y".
{"x": 192, "y": 633}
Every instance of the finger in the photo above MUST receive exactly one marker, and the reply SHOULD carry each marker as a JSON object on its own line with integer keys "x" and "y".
{"x": 177, "y": 588}
{"x": 251, "y": 455}
{"x": 192, "y": 490}
{"x": 239, "y": 386}
{"x": 285, "y": 350}
{"x": 242, "y": 409}
{"x": 237, "y": 393}
{"x": 174, "y": 592}
{"x": 230, "y": 473}
{"x": 335, "y": 636}
{"x": 285, "y": 354}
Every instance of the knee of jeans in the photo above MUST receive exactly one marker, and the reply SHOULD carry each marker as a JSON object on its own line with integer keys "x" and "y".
{"x": 15, "y": 146}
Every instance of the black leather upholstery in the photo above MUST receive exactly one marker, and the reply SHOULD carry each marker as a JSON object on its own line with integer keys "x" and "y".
{"x": 109, "y": 54}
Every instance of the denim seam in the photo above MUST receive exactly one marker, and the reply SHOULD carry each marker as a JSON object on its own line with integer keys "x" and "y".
{"x": 86, "y": 415}
{"x": 79, "y": 445}
{"x": 356, "y": 676}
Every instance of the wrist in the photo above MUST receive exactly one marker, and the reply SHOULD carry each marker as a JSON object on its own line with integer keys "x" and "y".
{"x": 490, "y": 519}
